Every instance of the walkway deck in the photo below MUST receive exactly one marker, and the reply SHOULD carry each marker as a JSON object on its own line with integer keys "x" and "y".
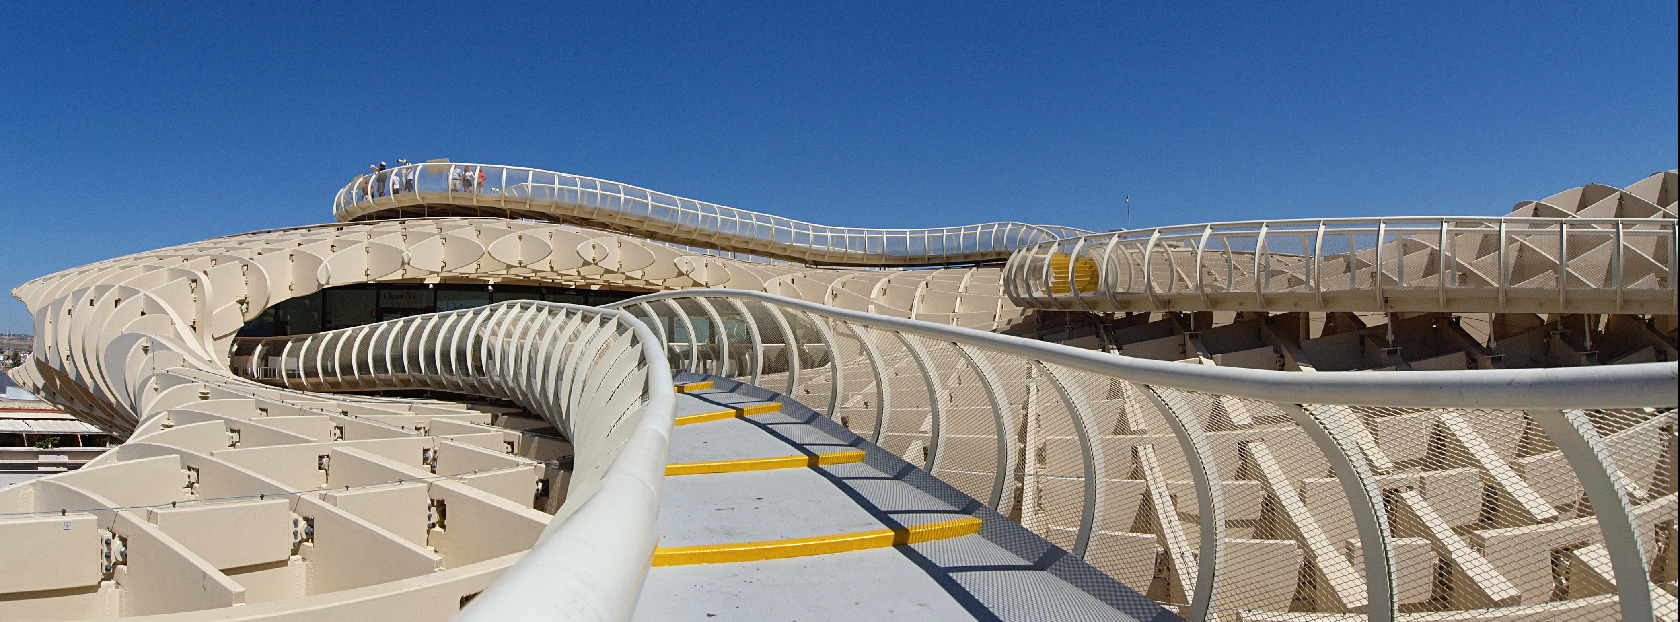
{"x": 772, "y": 512}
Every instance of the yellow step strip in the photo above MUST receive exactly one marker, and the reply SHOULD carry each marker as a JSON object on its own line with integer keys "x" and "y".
{"x": 763, "y": 464}
{"x": 820, "y": 545}
{"x": 691, "y": 387}
{"x": 731, "y": 413}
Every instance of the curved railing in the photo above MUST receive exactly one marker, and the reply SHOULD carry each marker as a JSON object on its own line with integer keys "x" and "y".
{"x": 478, "y": 189}
{"x": 1362, "y": 480}
{"x": 597, "y": 375}
{"x": 1431, "y": 264}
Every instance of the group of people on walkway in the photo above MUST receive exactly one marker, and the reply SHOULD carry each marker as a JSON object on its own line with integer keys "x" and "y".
{"x": 382, "y": 181}
{"x": 386, "y": 182}
{"x": 466, "y": 178}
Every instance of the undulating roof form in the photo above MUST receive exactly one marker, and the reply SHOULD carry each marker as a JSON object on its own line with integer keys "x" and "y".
{"x": 786, "y": 423}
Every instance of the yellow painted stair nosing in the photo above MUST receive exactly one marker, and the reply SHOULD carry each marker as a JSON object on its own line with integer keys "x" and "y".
{"x": 689, "y": 387}
{"x": 730, "y": 413}
{"x": 819, "y": 545}
{"x": 764, "y": 464}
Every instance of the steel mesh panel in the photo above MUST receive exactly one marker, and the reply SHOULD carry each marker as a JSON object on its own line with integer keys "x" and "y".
{"x": 904, "y": 431}
{"x": 705, "y": 337}
{"x": 1483, "y": 515}
{"x": 860, "y": 395}
{"x": 1053, "y": 489}
{"x": 775, "y": 348}
{"x": 816, "y": 377}
{"x": 1269, "y": 560}
{"x": 1640, "y": 445}
{"x": 1138, "y": 452}
{"x": 1011, "y": 374}
{"x": 661, "y": 326}
{"x": 733, "y": 342}
{"x": 676, "y": 335}
{"x": 967, "y": 442}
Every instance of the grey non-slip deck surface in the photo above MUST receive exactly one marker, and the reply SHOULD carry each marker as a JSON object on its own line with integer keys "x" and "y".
{"x": 1003, "y": 573}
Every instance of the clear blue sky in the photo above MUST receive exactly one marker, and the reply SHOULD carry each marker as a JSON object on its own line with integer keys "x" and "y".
{"x": 132, "y": 127}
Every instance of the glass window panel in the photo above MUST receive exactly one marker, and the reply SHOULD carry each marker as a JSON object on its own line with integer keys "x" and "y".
{"x": 451, "y": 300}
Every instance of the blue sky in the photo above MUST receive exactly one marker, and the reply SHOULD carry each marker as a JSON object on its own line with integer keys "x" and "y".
{"x": 128, "y": 127}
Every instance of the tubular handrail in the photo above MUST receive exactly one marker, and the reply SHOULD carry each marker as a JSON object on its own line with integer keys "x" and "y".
{"x": 571, "y": 198}
{"x": 597, "y": 375}
{"x": 1433, "y": 263}
{"x": 1323, "y": 406}
{"x": 1619, "y": 386}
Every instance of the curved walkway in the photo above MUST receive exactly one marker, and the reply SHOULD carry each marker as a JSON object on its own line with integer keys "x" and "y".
{"x": 784, "y": 514}
{"x": 1594, "y": 249}
{"x": 462, "y": 189}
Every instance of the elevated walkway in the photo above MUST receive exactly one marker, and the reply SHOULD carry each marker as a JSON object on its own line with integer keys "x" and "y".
{"x": 1594, "y": 249}
{"x": 771, "y": 510}
{"x": 464, "y": 189}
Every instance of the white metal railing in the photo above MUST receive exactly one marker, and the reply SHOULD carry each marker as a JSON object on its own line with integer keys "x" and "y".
{"x": 453, "y": 188}
{"x": 597, "y": 375}
{"x": 1461, "y": 264}
{"x": 1088, "y": 449}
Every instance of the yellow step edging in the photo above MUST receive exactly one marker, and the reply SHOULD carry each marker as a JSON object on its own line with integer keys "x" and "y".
{"x": 691, "y": 387}
{"x": 730, "y": 413}
{"x": 820, "y": 545}
{"x": 763, "y": 464}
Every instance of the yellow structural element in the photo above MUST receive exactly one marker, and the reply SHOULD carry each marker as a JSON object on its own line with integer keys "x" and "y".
{"x": 764, "y": 464}
{"x": 730, "y": 413}
{"x": 820, "y": 545}
{"x": 1084, "y": 274}
{"x": 691, "y": 387}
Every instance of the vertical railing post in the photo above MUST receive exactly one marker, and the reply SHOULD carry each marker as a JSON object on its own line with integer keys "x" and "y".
{"x": 1073, "y": 279}
{"x": 658, "y": 327}
{"x": 720, "y": 334}
{"x": 1210, "y": 494}
{"x": 1201, "y": 283}
{"x": 286, "y": 355}
{"x": 1148, "y": 268}
{"x": 1616, "y": 266}
{"x": 1005, "y": 470}
{"x": 1563, "y": 266}
{"x": 1504, "y": 267}
{"x": 883, "y": 393}
{"x": 936, "y": 396}
{"x": 1318, "y": 265}
{"x": 1109, "y": 284}
{"x": 1262, "y": 274}
{"x": 835, "y": 375}
{"x": 693, "y": 342}
{"x": 757, "y": 339}
{"x": 791, "y": 348}
{"x": 1377, "y": 274}
{"x": 1573, "y": 433}
{"x": 1365, "y": 499}
{"x": 1091, "y": 457}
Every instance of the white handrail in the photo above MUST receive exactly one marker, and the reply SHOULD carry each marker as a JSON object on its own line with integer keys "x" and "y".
{"x": 453, "y": 188}
{"x": 1617, "y": 386}
{"x": 1422, "y": 264}
{"x": 597, "y": 375}
{"x": 1323, "y": 405}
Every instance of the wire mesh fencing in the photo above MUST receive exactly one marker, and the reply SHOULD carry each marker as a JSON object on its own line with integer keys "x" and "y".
{"x": 1225, "y": 494}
